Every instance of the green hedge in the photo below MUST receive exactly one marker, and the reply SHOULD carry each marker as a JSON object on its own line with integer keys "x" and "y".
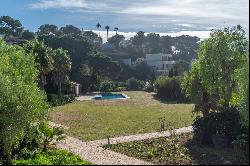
{"x": 169, "y": 88}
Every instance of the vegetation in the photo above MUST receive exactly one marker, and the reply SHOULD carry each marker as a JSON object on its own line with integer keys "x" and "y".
{"x": 180, "y": 150}
{"x": 169, "y": 89}
{"x": 51, "y": 157}
{"x": 10, "y": 27}
{"x": 134, "y": 84}
{"x": 213, "y": 81}
{"x": 92, "y": 120}
{"x": 21, "y": 101}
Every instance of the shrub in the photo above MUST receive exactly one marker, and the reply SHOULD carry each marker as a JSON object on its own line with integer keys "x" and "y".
{"x": 224, "y": 124}
{"x": 107, "y": 86}
{"x": 134, "y": 84}
{"x": 169, "y": 88}
{"x": 55, "y": 100}
{"x": 52, "y": 157}
{"x": 120, "y": 88}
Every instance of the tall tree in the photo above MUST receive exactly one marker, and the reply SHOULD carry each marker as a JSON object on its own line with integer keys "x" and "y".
{"x": 10, "y": 26}
{"x": 116, "y": 29}
{"x": 70, "y": 29}
{"x": 21, "y": 102}
{"x": 98, "y": 25}
{"x": 212, "y": 79}
{"x": 43, "y": 58}
{"x": 62, "y": 66}
{"x": 116, "y": 39}
{"x": 107, "y": 28}
{"x": 47, "y": 29}
{"x": 27, "y": 35}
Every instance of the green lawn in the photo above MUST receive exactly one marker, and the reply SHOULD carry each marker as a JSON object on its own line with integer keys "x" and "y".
{"x": 92, "y": 120}
{"x": 180, "y": 150}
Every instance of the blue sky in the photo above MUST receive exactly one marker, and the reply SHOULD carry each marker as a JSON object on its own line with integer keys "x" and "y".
{"x": 130, "y": 15}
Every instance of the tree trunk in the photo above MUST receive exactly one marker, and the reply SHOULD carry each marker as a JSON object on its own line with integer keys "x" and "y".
{"x": 60, "y": 89}
{"x": 7, "y": 155}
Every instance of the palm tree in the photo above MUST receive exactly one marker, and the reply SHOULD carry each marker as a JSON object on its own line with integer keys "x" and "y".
{"x": 116, "y": 29}
{"x": 98, "y": 25}
{"x": 62, "y": 66}
{"x": 43, "y": 58}
{"x": 107, "y": 28}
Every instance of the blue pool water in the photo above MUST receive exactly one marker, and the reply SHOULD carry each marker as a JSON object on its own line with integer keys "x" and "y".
{"x": 109, "y": 96}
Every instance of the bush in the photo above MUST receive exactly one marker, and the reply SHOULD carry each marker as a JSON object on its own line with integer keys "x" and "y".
{"x": 52, "y": 157}
{"x": 120, "y": 88}
{"x": 55, "y": 100}
{"x": 222, "y": 124}
{"x": 134, "y": 84}
{"x": 107, "y": 86}
{"x": 169, "y": 88}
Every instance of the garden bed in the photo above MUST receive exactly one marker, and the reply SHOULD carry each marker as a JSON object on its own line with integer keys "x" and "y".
{"x": 180, "y": 150}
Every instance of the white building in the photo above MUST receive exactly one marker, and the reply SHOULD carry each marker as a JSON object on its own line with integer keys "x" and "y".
{"x": 160, "y": 62}
{"x": 127, "y": 62}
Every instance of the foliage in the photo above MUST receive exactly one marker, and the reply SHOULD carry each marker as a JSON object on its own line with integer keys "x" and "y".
{"x": 47, "y": 29}
{"x": 180, "y": 150}
{"x": 180, "y": 67}
{"x": 48, "y": 134}
{"x": 225, "y": 123}
{"x": 219, "y": 58}
{"x": 43, "y": 58}
{"x": 116, "y": 39}
{"x": 10, "y": 26}
{"x": 62, "y": 66}
{"x": 80, "y": 51}
{"x": 52, "y": 157}
{"x": 169, "y": 88}
{"x": 21, "y": 101}
{"x": 242, "y": 143}
{"x": 69, "y": 29}
{"x": 142, "y": 70}
{"x": 213, "y": 77}
{"x": 27, "y": 35}
{"x": 134, "y": 84}
{"x": 107, "y": 86}
{"x": 56, "y": 100}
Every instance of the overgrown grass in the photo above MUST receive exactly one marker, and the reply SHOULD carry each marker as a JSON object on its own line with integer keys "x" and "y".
{"x": 180, "y": 150}
{"x": 92, "y": 120}
{"x": 52, "y": 157}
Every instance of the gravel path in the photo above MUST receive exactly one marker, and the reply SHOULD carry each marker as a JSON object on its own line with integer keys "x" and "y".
{"x": 93, "y": 151}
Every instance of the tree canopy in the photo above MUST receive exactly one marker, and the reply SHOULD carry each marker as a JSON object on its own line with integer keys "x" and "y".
{"x": 21, "y": 101}
{"x": 10, "y": 26}
{"x": 213, "y": 77}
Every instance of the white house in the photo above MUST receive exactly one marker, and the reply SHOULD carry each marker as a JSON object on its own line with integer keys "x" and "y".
{"x": 160, "y": 62}
{"x": 127, "y": 61}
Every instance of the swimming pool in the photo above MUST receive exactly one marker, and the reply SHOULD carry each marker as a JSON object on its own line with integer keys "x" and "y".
{"x": 110, "y": 96}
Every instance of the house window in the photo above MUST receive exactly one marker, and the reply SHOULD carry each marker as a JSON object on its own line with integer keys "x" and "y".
{"x": 162, "y": 66}
{"x": 164, "y": 58}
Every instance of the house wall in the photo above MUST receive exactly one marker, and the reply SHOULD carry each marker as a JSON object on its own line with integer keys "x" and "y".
{"x": 159, "y": 61}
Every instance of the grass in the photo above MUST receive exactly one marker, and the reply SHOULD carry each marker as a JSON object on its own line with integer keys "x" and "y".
{"x": 52, "y": 157}
{"x": 180, "y": 150}
{"x": 92, "y": 120}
